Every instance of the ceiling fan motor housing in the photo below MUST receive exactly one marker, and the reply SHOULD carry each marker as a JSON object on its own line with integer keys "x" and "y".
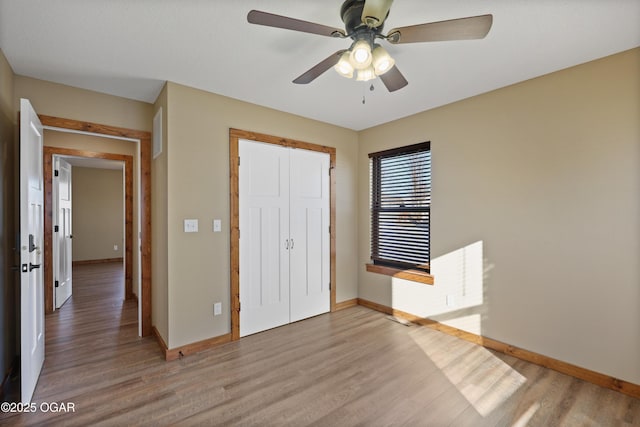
{"x": 351, "y": 14}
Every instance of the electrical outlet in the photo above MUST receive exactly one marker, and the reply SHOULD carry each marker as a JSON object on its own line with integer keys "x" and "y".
{"x": 217, "y": 309}
{"x": 451, "y": 301}
{"x": 217, "y": 225}
{"x": 115, "y": 247}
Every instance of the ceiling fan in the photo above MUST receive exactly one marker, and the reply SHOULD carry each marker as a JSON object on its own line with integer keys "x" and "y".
{"x": 365, "y": 59}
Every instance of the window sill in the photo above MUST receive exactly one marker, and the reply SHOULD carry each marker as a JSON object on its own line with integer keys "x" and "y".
{"x": 412, "y": 275}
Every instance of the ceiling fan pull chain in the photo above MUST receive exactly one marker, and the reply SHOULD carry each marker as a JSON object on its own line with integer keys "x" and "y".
{"x": 364, "y": 93}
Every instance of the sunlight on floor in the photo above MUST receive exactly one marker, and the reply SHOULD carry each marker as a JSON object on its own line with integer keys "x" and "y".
{"x": 482, "y": 378}
{"x": 524, "y": 419}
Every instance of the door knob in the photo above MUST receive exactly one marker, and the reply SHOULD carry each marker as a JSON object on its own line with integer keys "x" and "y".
{"x": 33, "y": 266}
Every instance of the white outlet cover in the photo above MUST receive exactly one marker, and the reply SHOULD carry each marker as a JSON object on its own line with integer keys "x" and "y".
{"x": 190, "y": 225}
{"x": 451, "y": 300}
{"x": 217, "y": 225}
{"x": 217, "y": 308}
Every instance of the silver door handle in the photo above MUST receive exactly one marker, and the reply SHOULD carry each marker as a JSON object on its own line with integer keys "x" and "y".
{"x": 291, "y": 243}
{"x": 286, "y": 245}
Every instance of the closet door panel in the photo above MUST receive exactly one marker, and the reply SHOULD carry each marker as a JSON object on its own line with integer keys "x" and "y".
{"x": 264, "y": 231}
{"x": 310, "y": 262}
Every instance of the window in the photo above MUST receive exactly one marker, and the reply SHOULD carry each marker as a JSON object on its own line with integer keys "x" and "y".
{"x": 400, "y": 207}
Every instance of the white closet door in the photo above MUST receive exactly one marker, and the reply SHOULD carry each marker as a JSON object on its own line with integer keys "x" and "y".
{"x": 310, "y": 262}
{"x": 264, "y": 234}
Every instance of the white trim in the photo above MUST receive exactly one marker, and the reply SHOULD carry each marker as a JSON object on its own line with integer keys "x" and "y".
{"x": 83, "y": 132}
{"x": 157, "y": 133}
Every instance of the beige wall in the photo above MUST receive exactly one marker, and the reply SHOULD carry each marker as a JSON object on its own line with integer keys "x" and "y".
{"x": 98, "y": 213}
{"x": 6, "y": 87}
{"x": 53, "y": 99}
{"x": 535, "y": 215}
{"x": 159, "y": 229}
{"x": 9, "y": 343}
{"x": 198, "y": 187}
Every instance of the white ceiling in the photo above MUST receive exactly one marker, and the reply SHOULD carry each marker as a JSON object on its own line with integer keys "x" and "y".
{"x": 130, "y": 48}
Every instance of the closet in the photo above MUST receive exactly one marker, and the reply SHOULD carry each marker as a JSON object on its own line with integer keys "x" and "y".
{"x": 284, "y": 219}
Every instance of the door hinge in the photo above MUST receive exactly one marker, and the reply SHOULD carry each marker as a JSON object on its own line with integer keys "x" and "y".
{"x": 239, "y": 305}
{"x": 329, "y": 285}
{"x": 238, "y": 160}
{"x": 56, "y": 283}
{"x": 329, "y": 229}
{"x": 56, "y": 172}
{"x": 56, "y": 228}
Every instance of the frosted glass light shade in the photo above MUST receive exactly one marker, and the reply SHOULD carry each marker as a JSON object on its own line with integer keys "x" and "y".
{"x": 344, "y": 67}
{"x": 360, "y": 54}
{"x": 366, "y": 74}
{"x": 381, "y": 60}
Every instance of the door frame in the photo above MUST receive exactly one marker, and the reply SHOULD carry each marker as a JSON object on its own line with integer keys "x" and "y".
{"x": 234, "y": 195}
{"x": 144, "y": 139}
{"x": 49, "y": 153}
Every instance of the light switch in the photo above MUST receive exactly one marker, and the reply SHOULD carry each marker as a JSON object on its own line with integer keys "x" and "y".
{"x": 190, "y": 225}
{"x": 217, "y": 225}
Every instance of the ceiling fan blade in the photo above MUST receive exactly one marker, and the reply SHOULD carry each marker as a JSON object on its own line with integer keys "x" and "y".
{"x": 375, "y": 12}
{"x": 315, "y": 71}
{"x": 473, "y": 27}
{"x": 278, "y": 21}
{"x": 393, "y": 79}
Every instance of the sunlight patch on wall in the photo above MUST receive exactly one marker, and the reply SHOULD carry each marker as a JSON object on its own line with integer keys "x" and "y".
{"x": 471, "y": 323}
{"x": 458, "y": 286}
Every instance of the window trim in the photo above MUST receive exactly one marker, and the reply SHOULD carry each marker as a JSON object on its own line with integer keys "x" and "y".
{"x": 415, "y": 273}
{"x": 412, "y": 275}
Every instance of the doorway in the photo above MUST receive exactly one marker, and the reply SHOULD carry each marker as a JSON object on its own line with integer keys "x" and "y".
{"x": 143, "y": 240}
{"x": 89, "y": 204}
{"x": 49, "y": 154}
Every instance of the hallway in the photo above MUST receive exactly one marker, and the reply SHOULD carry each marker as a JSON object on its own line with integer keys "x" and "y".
{"x": 87, "y": 341}
{"x": 94, "y": 321}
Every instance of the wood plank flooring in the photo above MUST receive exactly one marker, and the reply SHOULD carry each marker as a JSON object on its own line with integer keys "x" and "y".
{"x": 354, "y": 367}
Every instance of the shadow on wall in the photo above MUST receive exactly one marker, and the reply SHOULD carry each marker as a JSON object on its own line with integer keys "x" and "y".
{"x": 458, "y": 297}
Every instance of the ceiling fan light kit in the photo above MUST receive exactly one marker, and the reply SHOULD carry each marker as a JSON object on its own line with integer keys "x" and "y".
{"x": 360, "y": 54}
{"x": 344, "y": 67}
{"x": 381, "y": 60}
{"x": 364, "y": 20}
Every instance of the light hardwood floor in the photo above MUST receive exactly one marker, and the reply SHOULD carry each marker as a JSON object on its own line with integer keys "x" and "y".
{"x": 352, "y": 367}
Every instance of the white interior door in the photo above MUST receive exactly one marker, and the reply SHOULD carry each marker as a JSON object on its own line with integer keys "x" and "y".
{"x": 264, "y": 229}
{"x": 62, "y": 248}
{"x": 31, "y": 244}
{"x": 310, "y": 234}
